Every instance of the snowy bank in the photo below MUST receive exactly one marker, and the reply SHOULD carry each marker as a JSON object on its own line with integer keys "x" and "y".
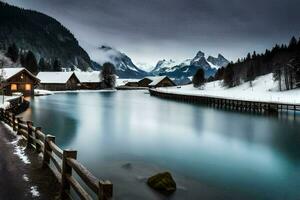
{"x": 264, "y": 89}
{"x": 42, "y": 92}
{"x": 5, "y": 101}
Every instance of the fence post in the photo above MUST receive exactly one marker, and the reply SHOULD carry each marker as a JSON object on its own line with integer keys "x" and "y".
{"x": 66, "y": 171}
{"x": 37, "y": 145}
{"x": 2, "y": 114}
{"x": 11, "y": 119}
{"x": 14, "y": 122}
{"x": 46, "y": 156}
{"x": 18, "y": 122}
{"x": 105, "y": 190}
{"x": 29, "y": 133}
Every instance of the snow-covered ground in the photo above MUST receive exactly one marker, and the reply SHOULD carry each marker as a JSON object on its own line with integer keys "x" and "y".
{"x": 120, "y": 81}
{"x": 38, "y": 92}
{"x": 264, "y": 89}
{"x": 4, "y": 101}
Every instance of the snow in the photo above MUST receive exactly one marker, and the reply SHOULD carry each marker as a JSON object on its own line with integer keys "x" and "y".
{"x": 213, "y": 66}
{"x": 264, "y": 89}
{"x": 6, "y": 104}
{"x": 120, "y": 81}
{"x": 34, "y": 191}
{"x": 20, "y": 151}
{"x": 54, "y": 77}
{"x": 88, "y": 77}
{"x": 25, "y": 178}
{"x": 11, "y": 71}
{"x": 145, "y": 66}
{"x": 38, "y": 92}
{"x": 156, "y": 80}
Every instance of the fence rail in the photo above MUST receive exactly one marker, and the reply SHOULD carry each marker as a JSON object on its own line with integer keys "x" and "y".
{"x": 64, "y": 162}
{"x": 233, "y": 104}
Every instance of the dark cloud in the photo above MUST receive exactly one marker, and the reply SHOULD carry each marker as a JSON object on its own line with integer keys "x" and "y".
{"x": 149, "y": 30}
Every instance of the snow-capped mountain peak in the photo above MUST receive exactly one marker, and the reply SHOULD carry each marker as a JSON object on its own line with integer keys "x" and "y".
{"x": 188, "y": 67}
{"x": 123, "y": 64}
{"x": 220, "y": 61}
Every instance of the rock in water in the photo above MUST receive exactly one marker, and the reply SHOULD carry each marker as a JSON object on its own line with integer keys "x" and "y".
{"x": 162, "y": 182}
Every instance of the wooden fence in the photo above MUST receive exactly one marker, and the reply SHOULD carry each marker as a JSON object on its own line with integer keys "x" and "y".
{"x": 232, "y": 104}
{"x": 64, "y": 161}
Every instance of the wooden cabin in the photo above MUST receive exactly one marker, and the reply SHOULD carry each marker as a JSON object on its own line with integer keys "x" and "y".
{"x": 58, "y": 81}
{"x": 145, "y": 82}
{"x": 18, "y": 80}
{"x": 89, "y": 80}
{"x": 132, "y": 84}
{"x": 156, "y": 81}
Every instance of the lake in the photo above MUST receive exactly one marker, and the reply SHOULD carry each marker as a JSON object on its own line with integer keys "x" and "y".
{"x": 213, "y": 154}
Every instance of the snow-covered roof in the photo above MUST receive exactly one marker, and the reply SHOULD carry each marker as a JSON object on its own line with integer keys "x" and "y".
{"x": 54, "y": 77}
{"x": 155, "y": 79}
{"x": 10, "y": 72}
{"x": 88, "y": 77}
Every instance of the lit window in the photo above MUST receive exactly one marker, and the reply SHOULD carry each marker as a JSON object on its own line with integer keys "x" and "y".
{"x": 13, "y": 87}
{"x": 27, "y": 87}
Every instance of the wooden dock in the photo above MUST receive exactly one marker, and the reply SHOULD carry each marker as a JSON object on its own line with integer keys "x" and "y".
{"x": 230, "y": 104}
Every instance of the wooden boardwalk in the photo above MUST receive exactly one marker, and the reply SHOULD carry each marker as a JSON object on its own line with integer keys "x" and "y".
{"x": 231, "y": 104}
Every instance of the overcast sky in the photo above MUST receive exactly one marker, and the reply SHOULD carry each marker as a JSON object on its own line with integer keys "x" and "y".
{"x": 149, "y": 30}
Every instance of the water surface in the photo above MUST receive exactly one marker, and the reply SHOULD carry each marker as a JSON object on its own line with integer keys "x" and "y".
{"x": 213, "y": 154}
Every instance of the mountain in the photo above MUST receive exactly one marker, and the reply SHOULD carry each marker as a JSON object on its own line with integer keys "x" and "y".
{"x": 145, "y": 66}
{"x": 124, "y": 66}
{"x": 163, "y": 66}
{"x": 43, "y": 35}
{"x": 220, "y": 61}
{"x": 182, "y": 70}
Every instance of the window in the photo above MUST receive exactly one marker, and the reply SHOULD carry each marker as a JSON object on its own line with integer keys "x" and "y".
{"x": 27, "y": 87}
{"x": 13, "y": 87}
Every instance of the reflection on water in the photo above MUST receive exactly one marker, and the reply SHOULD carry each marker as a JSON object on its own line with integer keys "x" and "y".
{"x": 214, "y": 154}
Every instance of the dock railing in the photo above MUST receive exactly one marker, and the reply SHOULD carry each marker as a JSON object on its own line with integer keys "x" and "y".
{"x": 64, "y": 162}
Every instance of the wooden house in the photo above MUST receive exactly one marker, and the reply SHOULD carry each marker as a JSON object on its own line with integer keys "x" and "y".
{"x": 132, "y": 84}
{"x": 145, "y": 82}
{"x": 58, "y": 81}
{"x": 89, "y": 80}
{"x": 18, "y": 80}
{"x": 156, "y": 81}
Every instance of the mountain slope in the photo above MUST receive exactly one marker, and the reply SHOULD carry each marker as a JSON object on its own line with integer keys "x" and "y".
{"x": 123, "y": 64}
{"x": 46, "y": 37}
{"x": 187, "y": 68}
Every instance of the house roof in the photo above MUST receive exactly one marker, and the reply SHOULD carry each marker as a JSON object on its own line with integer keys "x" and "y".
{"x": 8, "y": 73}
{"x": 54, "y": 77}
{"x": 88, "y": 77}
{"x": 156, "y": 79}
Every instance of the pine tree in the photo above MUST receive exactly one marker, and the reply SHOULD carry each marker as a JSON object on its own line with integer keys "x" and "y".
{"x": 13, "y": 52}
{"x": 293, "y": 43}
{"x": 31, "y": 62}
{"x": 250, "y": 74}
{"x": 56, "y": 65}
{"x": 199, "y": 78}
{"x": 229, "y": 76}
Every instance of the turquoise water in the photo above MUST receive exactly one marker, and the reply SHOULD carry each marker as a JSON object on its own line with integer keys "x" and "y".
{"x": 213, "y": 154}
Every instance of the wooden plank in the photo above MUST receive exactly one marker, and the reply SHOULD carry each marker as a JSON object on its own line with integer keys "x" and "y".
{"x": 41, "y": 143}
{"x": 23, "y": 132}
{"x": 21, "y": 125}
{"x": 78, "y": 188}
{"x": 40, "y": 135}
{"x": 90, "y": 180}
{"x": 55, "y": 162}
{"x": 56, "y": 149}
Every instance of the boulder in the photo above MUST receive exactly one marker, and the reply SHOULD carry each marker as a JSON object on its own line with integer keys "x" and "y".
{"x": 162, "y": 182}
